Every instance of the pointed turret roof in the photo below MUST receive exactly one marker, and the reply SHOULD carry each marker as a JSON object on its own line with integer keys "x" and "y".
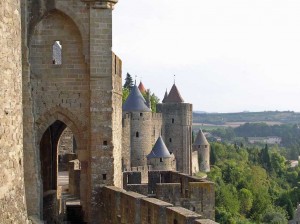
{"x": 165, "y": 97}
{"x": 142, "y": 87}
{"x": 201, "y": 139}
{"x": 135, "y": 101}
{"x": 174, "y": 96}
{"x": 159, "y": 150}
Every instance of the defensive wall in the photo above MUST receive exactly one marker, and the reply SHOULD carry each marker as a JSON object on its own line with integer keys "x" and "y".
{"x": 12, "y": 190}
{"x": 125, "y": 207}
{"x": 176, "y": 188}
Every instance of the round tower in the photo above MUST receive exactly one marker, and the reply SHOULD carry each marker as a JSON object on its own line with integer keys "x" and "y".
{"x": 202, "y": 146}
{"x": 140, "y": 116}
{"x": 160, "y": 158}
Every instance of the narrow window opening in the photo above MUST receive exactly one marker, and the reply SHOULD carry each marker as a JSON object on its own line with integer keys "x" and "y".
{"x": 104, "y": 142}
{"x": 104, "y": 176}
{"x": 141, "y": 114}
{"x": 199, "y": 146}
{"x": 173, "y": 120}
{"x": 161, "y": 160}
{"x": 175, "y": 221}
{"x": 193, "y": 209}
{"x": 57, "y": 53}
{"x": 205, "y": 146}
{"x": 137, "y": 134}
{"x": 170, "y": 140}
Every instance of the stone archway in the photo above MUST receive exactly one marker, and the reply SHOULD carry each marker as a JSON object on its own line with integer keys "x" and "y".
{"x": 49, "y": 128}
{"x": 53, "y": 191}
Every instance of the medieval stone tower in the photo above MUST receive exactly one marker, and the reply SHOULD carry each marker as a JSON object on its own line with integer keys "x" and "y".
{"x": 202, "y": 146}
{"x": 71, "y": 79}
{"x": 177, "y": 128}
{"x": 160, "y": 157}
{"x": 140, "y": 116}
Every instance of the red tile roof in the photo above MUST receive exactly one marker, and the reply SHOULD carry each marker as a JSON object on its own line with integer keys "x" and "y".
{"x": 142, "y": 88}
{"x": 174, "y": 96}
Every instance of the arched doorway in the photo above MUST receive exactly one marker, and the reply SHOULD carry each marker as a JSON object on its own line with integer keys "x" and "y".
{"x": 57, "y": 148}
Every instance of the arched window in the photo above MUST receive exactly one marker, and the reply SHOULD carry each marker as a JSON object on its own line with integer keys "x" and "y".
{"x": 137, "y": 134}
{"x": 57, "y": 53}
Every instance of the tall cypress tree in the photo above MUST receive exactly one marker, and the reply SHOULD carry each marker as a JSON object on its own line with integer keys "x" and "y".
{"x": 128, "y": 82}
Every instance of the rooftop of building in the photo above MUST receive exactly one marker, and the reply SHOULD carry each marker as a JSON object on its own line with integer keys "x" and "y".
{"x": 135, "y": 102}
{"x": 159, "y": 150}
{"x": 201, "y": 139}
{"x": 174, "y": 96}
{"x": 142, "y": 88}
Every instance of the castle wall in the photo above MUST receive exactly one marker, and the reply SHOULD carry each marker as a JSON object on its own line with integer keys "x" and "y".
{"x": 192, "y": 193}
{"x": 162, "y": 163}
{"x": 177, "y": 132}
{"x": 156, "y": 127}
{"x": 126, "y": 140}
{"x": 195, "y": 162}
{"x": 181, "y": 215}
{"x": 180, "y": 189}
{"x": 12, "y": 194}
{"x": 204, "y": 152}
{"x": 141, "y": 144}
{"x": 128, "y": 208}
{"x": 84, "y": 92}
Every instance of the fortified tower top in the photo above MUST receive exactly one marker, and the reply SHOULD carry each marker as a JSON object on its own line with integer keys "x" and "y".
{"x": 102, "y": 4}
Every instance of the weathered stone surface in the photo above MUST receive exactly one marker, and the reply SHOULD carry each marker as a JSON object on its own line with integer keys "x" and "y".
{"x": 12, "y": 196}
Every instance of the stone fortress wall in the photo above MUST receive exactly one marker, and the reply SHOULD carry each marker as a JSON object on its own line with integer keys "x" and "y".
{"x": 12, "y": 195}
{"x": 180, "y": 189}
{"x": 149, "y": 128}
{"x": 131, "y": 207}
{"x": 176, "y": 129}
{"x": 84, "y": 94}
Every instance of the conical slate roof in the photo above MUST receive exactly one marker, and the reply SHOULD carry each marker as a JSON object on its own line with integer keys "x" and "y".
{"x": 135, "y": 102}
{"x": 142, "y": 88}
{"x": 159, "y": 150}
{"x": 174, "y": 96}
{"x": 201, "y": 139}
{"x": 165, "y": 97}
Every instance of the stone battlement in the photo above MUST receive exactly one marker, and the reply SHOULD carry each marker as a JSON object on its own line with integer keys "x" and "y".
{"x": 130, "y": 207}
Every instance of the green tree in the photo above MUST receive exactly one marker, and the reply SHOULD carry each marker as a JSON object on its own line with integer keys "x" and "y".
{"x": 265, "y": 158}
{"x": 278, "y": 163}
{"x": 274, "y": 215}
{"x": 125, "y": 95}
{"x": 246, "y": 199}
{"x": 128, "y": 82}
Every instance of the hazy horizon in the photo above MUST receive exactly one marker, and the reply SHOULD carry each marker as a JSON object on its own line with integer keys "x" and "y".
{"x": 228, "y": 56}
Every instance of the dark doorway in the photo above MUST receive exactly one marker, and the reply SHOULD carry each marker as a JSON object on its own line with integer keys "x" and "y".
{"x": 48, "y": 155}
{"x": 49, "y": 169}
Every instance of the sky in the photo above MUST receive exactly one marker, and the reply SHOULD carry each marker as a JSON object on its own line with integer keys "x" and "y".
{"x": 227, "y": 55}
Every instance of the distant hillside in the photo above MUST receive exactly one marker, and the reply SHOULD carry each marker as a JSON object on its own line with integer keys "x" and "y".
{"x": 284, "y": 117}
